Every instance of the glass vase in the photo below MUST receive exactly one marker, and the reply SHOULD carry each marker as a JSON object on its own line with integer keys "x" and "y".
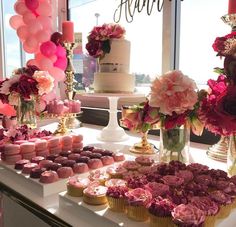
{"x": 26, "y": 112}
{"x": 231, "y": 156}
{"x": 174, "y": 144}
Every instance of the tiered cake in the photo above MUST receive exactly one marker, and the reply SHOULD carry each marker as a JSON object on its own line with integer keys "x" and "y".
{"x": 113, "y": 75}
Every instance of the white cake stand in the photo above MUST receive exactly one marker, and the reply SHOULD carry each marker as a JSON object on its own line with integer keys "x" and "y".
{"x": 113, "y": 132}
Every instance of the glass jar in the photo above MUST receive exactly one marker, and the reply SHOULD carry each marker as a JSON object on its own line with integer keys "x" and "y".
{"x": 26, "y": 112}
{"x": 174, "y": 144}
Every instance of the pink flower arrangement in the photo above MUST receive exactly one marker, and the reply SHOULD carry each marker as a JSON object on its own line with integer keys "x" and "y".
{"x": 99, "y": 39}
{"x": 175, "y": 95}
{"x": 25, "y": 83}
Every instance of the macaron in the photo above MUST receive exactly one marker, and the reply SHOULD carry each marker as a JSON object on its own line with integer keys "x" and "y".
{"x": 29, "y": 155}
{"x": 41, "y": 145}
{"x": 27, "y": 147}
{"x": 77, "y": 138}
{"x": 11, "y": 149}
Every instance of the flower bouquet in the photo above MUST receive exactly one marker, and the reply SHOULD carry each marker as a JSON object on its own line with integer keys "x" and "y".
{"x": 217, "y": 108}
{"x": 141, "y": 118}
{"x": 176, "y": 97}
{"x": 99, "y": 39}
{"x": 25, "y": 91}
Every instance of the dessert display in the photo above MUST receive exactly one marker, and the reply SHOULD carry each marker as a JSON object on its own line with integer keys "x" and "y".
{"x": 114, "y": 61}
{"x": 95, "y": 195}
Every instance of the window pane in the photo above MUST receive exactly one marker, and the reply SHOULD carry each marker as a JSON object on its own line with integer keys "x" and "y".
{"x": 145, "y": 33}
{"x": 200, "y": 24}
{"x": 12, "y": 43}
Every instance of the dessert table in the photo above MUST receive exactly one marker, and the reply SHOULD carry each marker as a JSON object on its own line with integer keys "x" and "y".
{"x": 22, "y": 204}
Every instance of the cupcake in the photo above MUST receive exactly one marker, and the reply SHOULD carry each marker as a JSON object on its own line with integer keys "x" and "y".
{"x": 208, "y": 206}
{"x": 116, "y": 171}
{"x": 98, "y": 175}
{"x": 137, "y": 200}
{"x": 95, "y": 195}
{"x": 160, "y": 212}
{"x": 76, "y": 185}
{"x": 116, "y": 198}
{"x": 224, "y": 201}
{"x": 188, "y": 216}
{"x": 157, "y": 189}
{"x": 137, "y": 182}
{"x": 173, "y": 181}
{"x": 131, "y": 165}
{"x": 185, "y": 174}
{"x": 144, "y": 160}
{"x": 115, "y": 182}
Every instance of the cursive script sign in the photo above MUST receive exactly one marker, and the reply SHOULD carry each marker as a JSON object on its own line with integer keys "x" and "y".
{"x": 132, "y": 6}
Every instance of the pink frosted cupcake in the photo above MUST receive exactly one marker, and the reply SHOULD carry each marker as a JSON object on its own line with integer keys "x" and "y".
{"x": 157, "y": 189}
{"x": 144, "y": 160}
{"x": 100, "y": 176}
{"x": 187, "y": 175}
{"x": 188, "y": 216}
{"x": 209, "y": 207}
{"x": 115, "y": 182}
{"x": 131, "y": 165}
{"x": 224, "y": 201}
{"x": 116, "y": 171}
{"x": 116, "y": 198}
{"x": 173, "y": 181}
{"x": 160, "y": 212}
{"x": 137, "y": 200}
{"x": 76, "y": 185}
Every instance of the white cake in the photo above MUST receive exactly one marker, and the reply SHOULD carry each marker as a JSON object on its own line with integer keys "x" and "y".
{"x": 113, "y": 75}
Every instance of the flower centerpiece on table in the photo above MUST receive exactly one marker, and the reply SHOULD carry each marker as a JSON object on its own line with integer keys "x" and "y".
{"x": 218, "y": 107}
{"x": 25, "y": 91}
{"x": 99, "y": 39}
{"x": 176, "y": 97}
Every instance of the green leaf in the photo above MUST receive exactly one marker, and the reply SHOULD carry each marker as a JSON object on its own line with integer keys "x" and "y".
{"x": 106, "y": 47}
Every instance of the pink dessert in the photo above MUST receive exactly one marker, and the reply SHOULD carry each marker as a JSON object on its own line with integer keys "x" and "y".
{"x": 29, "y": 155}
{"x": 144, "y": 160}
{"x": 220, "y": 197}
{"x": 44, "y": 163}
{"x": 55, "y": 150}
{"x": 11, "y": 159}
{"x": 95, "y": 163}
{"x": 73, "y": 156}
{"x": 54, "y": 142}
{"x": 66, "y": 148}
{"x": 115, "y": 182}
{"x": 107, "y": 160}
{"x": 41, "y": 145}
{"x": 44, "y": 153}
{"x": 28, "y": 147}
{"x": 77, "y": 146}
{"x": 188, "y": 215}
{"x": 11, "y": 149}
{"x": 157, "y": 189}
{"x": 98, "y": 175}
{"x": 65, "y": 153}
{"x": 48, "y": 177}
{"x": 36, "y": 172}
{"x": 79, "y": 182}
{"x": 80, "y": 168}
{"x": 20, "y": 164}
{"x": 145, "y": 169}
{"x": 131, "y": 165}
{"x": 66, "y": 141}
{"x": 86, "y": 153}
{"x": 203, "y": 179}
{"x": 76, "y": 106}
{"x": 117, "y": 191}
{"x": 138, "y": 197}
{"x": 60, "y": 159}
{"x": 173, "y": 181}
{"x": 52, "y": 157}
{"x": 185, "y": 174}
{"x": 19, "y": 142}
{"x": 118, "y": 157}
{"x": 28, "y": 167}
{"x": 65, "y": 172}
{"x": 116, "y": 171}
{"x": 53, "y": 166}
{"x": 68, "y": 163}
{"x": 77, "y": 138}
{"x": 95, "y": 190}
{"x": 205, "y": 204}
{"x": 37, "y": 159}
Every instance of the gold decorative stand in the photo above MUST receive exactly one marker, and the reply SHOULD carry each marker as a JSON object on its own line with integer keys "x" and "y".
{"x": 219, "y": 150}
{"x": 71, "y": 122}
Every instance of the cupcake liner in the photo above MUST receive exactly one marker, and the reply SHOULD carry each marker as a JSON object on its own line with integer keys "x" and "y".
{"x": 156, "y": 221}
{"x": 137, "y": 213}
{"x": 75, "y": 192}
{"x": 116, "y": 204}
{"x": 210, "y": 221}
{"x": 224, "y": 211}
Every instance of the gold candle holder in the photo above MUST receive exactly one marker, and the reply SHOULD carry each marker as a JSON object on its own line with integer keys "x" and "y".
{"x": 71, "y": 122}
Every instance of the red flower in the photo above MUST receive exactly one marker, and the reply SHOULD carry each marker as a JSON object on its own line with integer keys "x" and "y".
{"x": 176, "y": 120}
{"x": 94, "y": 48}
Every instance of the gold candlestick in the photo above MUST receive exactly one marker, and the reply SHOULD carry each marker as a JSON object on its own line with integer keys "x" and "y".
{"x": 71, "y": 122}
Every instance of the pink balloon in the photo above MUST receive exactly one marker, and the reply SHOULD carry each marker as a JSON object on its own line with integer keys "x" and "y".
{"x": 39, "y": 56}
{"x": 48, "y": 48}
{"x": 44, "y": 9}
{"x": 22, "y": 32}
{"x": 50, "y": 96}
{"x": 7, "y": 109}
{"x": 45, "y": 21}
{"x": 32, "y": 4}
{"x": 61, "y": 63}
{"x": 28, "y": 16}
{"x": 43, "y": 36}
{"x": 61, "y": 51}
{"x": 20, "y": 8}
{"x": 28, "y": 49}
{"x": 53, "y": 58}
{"x": 32, "y": 42}
{"x": 45, "y": 64}
{"x": 34, "y": 26}
{"x": 16, "y": 21}
{"x": 57, "y": 73}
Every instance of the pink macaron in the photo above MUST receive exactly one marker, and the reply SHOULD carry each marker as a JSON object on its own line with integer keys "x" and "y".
{"x": 65, "y": 172}
{"x": 48, "y": 177}
{"x": 41, "y": 145}
{"x": 77, "y": 145}
{"x": 66, "y": 141}
{"x": 11, "y": 149}
{"x": 54, "y": 142}
{"x": 19, "y": 142}
{"x": 11, "y": 159}
{"x": 77, "y": 138}
{"x": 28, "y": 147}
{"x": 29, "y": 155}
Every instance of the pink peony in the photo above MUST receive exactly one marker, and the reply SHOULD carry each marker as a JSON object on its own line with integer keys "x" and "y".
{"x": 45, "y": 82}
{"x": 173, "y": 93}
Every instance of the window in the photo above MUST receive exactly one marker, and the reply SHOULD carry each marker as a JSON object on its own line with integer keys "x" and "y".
{"x": 11, "y": 43}
{"x": 200, "y": 24}
{"x": 145, "y": 34}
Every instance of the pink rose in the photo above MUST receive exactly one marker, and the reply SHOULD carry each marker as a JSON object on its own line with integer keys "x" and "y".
{"x": 173, "y": 93}
{"x": 45, "y": 82}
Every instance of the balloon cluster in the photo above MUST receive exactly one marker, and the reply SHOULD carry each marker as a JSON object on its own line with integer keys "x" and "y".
{"x": 34, "y": 27}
